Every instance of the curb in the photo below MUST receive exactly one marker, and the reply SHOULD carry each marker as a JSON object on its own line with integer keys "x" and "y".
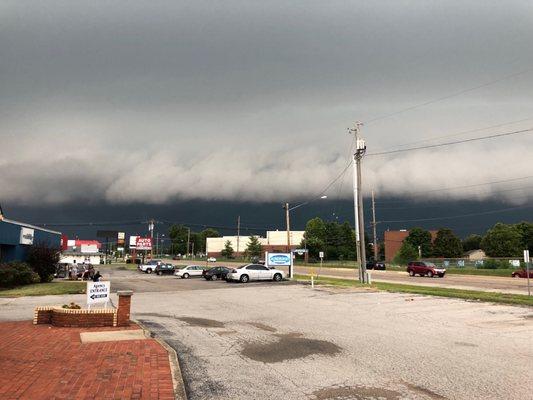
{"x": 175, "y": 370}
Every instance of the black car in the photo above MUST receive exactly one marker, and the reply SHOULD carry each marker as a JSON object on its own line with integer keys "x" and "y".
{"x": 375, "y": 265}
{"x": 165, "y": 269}
{"x": 212, "y": 274}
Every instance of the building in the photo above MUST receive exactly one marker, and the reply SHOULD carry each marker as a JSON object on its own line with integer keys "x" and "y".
{"x": 475, "y": 255}
{"x": 17, "y": 237}
{"x": 394, "y": 239}
{"x": 79, "y": 251}
{"x": 275, "y": 241}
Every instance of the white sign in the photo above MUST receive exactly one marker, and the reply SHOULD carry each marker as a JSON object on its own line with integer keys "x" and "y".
{"x": 133, "y": 241}
{"x": 98, "y": 292}
{"x": 89, "y": 248}
{"x": 526, "y": 256}
{"x": 121, "y": 236}
{"x": 26, "y": 235}
{"x": 515, "y": 263}
{"x": 278, "y": 259}
{"x": 321, "y": 254}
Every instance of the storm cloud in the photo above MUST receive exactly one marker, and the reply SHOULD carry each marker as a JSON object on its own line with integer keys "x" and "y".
{"x": 151, "y": 102}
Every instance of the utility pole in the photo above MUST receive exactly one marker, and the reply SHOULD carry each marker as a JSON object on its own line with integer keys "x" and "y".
{"x": 238, "y": 233}
{"x": 151, "y": 229}
{"x": 157, "y": 244}
{"x": 188, "y": 240}
{"x": 360, "y": 149}
{"x": 374, "y": 227}
{"x": 287, "y": 218}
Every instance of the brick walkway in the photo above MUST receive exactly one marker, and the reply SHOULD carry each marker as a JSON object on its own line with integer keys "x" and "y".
{"x": 44, "y": 362}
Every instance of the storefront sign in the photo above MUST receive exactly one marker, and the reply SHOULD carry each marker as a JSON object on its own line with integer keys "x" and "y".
{"x": 278, "y": 259}
{"x": 26, "y": 236}
{"x": 98, "y": 292}
{"x": 143, "y": 243}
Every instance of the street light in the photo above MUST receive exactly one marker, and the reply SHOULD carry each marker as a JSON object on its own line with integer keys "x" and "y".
{"x": 287, "y": 217}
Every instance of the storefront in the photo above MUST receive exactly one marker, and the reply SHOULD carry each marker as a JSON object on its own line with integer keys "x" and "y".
{"x": 17, "y": 237}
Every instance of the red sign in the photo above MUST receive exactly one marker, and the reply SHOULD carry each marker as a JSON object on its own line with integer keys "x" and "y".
{"x": 143, "y": 243}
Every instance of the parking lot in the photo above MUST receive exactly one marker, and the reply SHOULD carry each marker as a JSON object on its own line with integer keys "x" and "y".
{"x": 266, "y": 340}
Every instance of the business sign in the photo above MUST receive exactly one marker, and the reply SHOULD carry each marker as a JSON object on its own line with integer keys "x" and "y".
{"x": 321, "y": 254}
{"x": 26, "y": 236}
{"x": 133, "y": 241}
{"x": 98, "y": 292}
{"x": 278, "y": 259}
{"x": 89, "y": 248}
{"x": 143, "y": 243}
{"x": 121, "y": 236}
{"x": 515, "y": 263}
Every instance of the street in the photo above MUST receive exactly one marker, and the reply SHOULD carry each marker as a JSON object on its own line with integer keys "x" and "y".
{"x": 268, "y": 340}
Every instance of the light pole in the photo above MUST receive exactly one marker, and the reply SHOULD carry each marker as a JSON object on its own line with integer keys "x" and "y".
{"x": 288, "y": 221}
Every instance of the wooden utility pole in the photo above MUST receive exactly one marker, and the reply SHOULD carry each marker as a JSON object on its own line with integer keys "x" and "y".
{"x": 238, "y": 233}
{"x": 374, "y": 227}
{"x": 287, "y": 217}
{"x": 188, "y": 240}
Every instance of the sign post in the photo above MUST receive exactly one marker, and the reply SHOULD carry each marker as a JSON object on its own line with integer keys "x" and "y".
{"x": 321, "y": 255}
{"x": 98, "y": 292}
{"x": 527, "y": 260}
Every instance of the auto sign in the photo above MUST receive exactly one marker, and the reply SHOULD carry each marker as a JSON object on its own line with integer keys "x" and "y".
{"x": 279, "y": 259}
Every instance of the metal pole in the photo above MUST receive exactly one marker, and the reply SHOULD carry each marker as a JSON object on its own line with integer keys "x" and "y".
{"x": 157, "y": 244}
{"x": 238, "y": 233}
{"x": 287, "y": 217}
{"x": 527, "y": 274}
{"x": 374, "y": 227}
{"x": 188, "y": 240}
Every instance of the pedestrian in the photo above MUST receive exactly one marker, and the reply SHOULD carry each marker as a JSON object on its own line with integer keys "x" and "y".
{"x": 97, "y": 276}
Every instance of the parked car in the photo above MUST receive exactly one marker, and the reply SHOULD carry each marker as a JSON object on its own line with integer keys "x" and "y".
{"x": 188, "y": 271}
{"x": 424, "y": 268}
{"x": 254, "y": 272}
{"x": 149, "y": 266}
{"x": 212, "y": 274}
{"x": 375, "y": 265}
{"x": 211, "y": 259}
{"x": 522, "y": 273}
{"x": 164, "y": 268}
{"x": 177, "y": 257}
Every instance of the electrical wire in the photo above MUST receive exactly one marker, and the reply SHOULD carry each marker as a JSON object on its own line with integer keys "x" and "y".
{"x": 446, "y": 97}
{"x": 530, "y": 130}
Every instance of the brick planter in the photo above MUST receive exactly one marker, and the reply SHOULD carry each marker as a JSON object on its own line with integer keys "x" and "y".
{"x": 85, "y": 318}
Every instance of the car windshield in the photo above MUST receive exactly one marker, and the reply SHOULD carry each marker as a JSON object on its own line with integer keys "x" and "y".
{"x": 428, "y": 264}
{"x": 242, "y": 266}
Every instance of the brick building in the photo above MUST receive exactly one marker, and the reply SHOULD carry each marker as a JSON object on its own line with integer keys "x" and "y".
{"x": 394, "y": 240}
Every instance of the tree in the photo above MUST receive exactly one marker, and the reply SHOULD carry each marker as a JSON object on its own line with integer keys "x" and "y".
{"x": 420, "y": 237}
{"x": 406, "y": 253}
{"x": 315, "y": 236}
{"x": 43, "y": 259}
{"x": 502, "y": 241}
{"x": 526, "y": 231}
{"x": 202, "y": 236}
{"x": 447, "y": 244}
{"x": 179, "y": 234}
{"x": 253, "y": 247}
{"x": 227, "y": 251}
{"x": 472, "y": 242}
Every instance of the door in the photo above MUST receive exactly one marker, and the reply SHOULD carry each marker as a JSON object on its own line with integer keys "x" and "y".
{"x": 264, "y": 272}
{"x": 253, "y": 272}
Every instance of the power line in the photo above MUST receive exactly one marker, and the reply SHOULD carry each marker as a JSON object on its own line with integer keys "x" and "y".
{"x": 458, "y": 216}
{"x": 460, "y": 187}
{"x": 452, "y": 143}
{"x": 449, "y": 96}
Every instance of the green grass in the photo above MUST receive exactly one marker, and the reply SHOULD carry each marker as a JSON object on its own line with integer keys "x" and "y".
{"x": 454, "y": 271}
{"x": 495, "y": 297}
{"x": 44, "y": 289}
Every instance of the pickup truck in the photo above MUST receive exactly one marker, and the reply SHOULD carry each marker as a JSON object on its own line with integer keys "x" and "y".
{"x": 149, "y": 266}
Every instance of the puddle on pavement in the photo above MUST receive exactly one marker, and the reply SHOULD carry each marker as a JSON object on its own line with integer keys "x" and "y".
{"x": 288, "y": 347}
{"x": 155, "y": 328}
{"x": 355, "y": 393}
{"x": 263, "y": 327}
{"x": 202, "y": 322}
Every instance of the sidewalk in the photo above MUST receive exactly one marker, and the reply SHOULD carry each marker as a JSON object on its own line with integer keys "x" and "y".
{"x": 44, "y": 362}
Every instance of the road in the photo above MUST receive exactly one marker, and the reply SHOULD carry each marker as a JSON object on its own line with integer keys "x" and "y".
{"x": 288, "y": 341}
{"x": 469, "y": 282}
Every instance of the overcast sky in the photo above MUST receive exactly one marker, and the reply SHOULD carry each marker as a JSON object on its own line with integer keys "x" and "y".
{"x": 152, "y": 102}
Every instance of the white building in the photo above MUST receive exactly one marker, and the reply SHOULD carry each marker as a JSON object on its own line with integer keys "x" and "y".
{"x": 274, "y": 241}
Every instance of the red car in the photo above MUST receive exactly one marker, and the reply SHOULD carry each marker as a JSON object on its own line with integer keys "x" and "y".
{"x": 424, "y": 268}
{"x": 522, "y": 273}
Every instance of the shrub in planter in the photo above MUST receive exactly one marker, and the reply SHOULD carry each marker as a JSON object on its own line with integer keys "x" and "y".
{"x": 43, "y": 259}
{"x": 16, "y": 274}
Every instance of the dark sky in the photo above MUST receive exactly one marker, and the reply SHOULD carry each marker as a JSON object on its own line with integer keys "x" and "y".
{"x": 128, "y": 109}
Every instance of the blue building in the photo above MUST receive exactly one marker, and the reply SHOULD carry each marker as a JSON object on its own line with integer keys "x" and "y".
{"x": 17, "y": 237}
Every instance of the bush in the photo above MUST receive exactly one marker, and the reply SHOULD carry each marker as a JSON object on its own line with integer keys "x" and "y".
{"x": 494, "y": 264}
{"x": 16, "y": 274}
{"x": 43, "y": 259}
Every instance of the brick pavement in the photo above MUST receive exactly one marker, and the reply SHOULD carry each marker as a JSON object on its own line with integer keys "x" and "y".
{"x": 45, "y": 362}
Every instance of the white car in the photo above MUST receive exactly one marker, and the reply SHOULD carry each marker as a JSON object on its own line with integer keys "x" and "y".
{"x": 149, "y": 266}
{"x": 211, "y": 259}
{"x": 188, "y": 271}
{"x": 254, "y": 272}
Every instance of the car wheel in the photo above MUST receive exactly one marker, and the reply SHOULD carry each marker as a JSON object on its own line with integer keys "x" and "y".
{"x": 149, "y": 271}
{"x": 277, "y": 277}
{"x": 411, "y": 272}
{"x": 430, "y": 274}
{"x": 185, "y": 276}
{"x": 244, "y": 278}
{"x": 214, "y": 278}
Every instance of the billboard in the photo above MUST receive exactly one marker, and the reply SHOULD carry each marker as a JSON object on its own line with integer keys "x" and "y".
{"x": 26, "y": 236}
{"x": 143, "y": 243}
{"x": 278, "y": 259}
{"x": 89, "y": 248}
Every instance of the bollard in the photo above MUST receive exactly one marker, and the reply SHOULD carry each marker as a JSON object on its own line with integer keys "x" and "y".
{"x": 312, "y": 282}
